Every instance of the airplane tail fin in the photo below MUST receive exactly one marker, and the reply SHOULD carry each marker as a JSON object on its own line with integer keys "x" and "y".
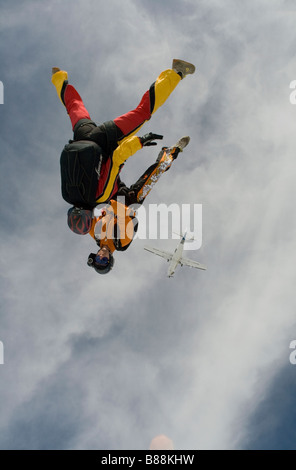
{"x": 184, "y": 235}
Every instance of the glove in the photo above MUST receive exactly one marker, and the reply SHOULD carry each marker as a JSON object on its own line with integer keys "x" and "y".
{"x": 147, "y": 139}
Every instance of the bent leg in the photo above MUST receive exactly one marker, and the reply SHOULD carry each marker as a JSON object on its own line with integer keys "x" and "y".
{"x": 131, "y": 194}
{"x": 155, "y": 97}
{"x": 146, "y": 182}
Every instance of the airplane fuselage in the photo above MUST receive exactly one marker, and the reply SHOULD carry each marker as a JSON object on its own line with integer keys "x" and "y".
{"x": 177, "y": 256}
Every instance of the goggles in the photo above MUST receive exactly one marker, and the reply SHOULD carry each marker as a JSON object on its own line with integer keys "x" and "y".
{"x": 102, "y": 261}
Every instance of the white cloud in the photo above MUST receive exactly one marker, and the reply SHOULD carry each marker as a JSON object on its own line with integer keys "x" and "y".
{"x": 190, "y": 356}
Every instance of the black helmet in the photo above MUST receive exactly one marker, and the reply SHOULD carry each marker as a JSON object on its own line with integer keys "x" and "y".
{"x": 100, "y": 265}
{"x": 80, "y": 220}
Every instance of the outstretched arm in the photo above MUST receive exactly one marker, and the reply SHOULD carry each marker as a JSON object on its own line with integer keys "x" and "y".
{"x": 132, "y": 145}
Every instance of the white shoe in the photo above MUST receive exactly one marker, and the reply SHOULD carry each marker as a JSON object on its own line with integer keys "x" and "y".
{"x": 182, "y": 143}
{"x": 182, "y": 67}
{"x": 55, "y": 70}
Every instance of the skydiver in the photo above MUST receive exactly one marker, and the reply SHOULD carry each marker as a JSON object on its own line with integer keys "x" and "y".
{"x": 117, "y": 224}
{"x": 116, "y": 139}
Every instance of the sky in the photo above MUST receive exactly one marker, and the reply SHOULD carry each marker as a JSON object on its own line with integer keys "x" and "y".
{"x": 110, "y": 362}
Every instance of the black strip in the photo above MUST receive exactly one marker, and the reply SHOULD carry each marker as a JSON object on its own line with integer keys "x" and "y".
{"x": 152, "y": 97}
{"x": 152, "y": 105}
{"x": 131, "y": 132}
{"x": 63, "y": 90}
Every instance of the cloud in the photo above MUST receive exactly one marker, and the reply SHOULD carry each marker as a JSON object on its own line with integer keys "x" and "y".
{"x": 107, "y": 363}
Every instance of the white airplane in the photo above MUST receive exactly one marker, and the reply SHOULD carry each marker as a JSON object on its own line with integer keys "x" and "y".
{"x": 176, "y": 258}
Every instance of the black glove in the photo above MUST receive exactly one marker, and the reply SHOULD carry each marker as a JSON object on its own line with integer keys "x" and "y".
{"x": 147, "y": 139}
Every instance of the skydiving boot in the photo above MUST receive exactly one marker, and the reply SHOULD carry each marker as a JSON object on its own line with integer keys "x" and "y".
{"x": 183, "y": 142}
{"x": 180, "y": 145}
{"x": 183, "y": 68}
{"x": 60, "y": 80}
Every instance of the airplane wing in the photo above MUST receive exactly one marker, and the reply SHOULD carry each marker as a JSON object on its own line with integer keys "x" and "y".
{"x": 191, "y": 263}
{"x": 163, "y": 254}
